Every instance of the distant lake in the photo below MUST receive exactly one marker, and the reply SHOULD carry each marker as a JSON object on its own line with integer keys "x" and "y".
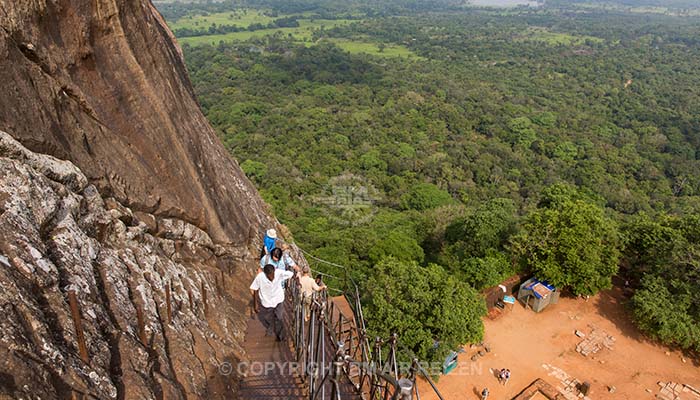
{"x": 504, "y": 3}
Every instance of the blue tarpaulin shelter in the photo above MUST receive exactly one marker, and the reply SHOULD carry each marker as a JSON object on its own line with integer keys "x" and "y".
{"x": 537, "y": 294}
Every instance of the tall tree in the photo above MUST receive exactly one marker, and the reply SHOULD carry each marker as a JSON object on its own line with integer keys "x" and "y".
{"x": 570, "y": 243}
{"x": 425, "y": 306}
{"x": 664, "y": 258}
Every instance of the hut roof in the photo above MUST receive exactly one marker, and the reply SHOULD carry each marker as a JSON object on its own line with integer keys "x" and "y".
{"x": 539, "y": 288}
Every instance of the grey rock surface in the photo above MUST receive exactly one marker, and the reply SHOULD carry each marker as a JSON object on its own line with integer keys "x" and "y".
{"x": 58, "y": 235}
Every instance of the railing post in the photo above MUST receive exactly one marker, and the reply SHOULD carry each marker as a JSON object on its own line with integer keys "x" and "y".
{"x": 391, "y": 357}
{"x": 376, "y": 364}
{"x": 310, "y": 354}
{"x": 338, "y": 364}
{"x": 322, "y": 332}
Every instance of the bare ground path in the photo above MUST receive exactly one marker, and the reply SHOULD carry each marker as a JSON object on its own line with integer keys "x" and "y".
{"x": 544, "y": 346}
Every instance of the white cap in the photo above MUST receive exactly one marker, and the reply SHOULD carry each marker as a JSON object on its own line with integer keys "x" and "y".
{"x": 272, "y": 233}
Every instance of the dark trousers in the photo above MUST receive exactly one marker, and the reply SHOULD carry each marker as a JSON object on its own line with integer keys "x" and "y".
{"x": 271, "y": 319}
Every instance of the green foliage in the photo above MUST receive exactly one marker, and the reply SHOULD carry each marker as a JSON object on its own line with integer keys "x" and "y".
{"x": 546, "y": 116}
{"x": 547, "y": 119}
{"x": 521, "y": 132}
{"x": 422, "y": 305}
{"x": 565, "y": 151}
{"x": 664, "y": 258}
{"x": 570, "y": 244}
{"x": 651, "y": 243}
{"x": 562, "y": 193}
{"x": 486, "y": 271}
{"x": 399, "y": 245}
{"x": 425, "y": 196}
{"x": 489, "y": 227}
{"x": 668, "y": 316}
{"x": 474, "y": 245}
{"x": 372, "y": 160}
{"x": 254, "y": 170}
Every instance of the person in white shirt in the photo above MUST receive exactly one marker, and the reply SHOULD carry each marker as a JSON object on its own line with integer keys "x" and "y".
{"x": 308, "y": 288}
{"x": 267, "y": 289}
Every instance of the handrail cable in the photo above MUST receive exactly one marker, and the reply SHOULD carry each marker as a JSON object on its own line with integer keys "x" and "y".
{"x": 324, "y": 333}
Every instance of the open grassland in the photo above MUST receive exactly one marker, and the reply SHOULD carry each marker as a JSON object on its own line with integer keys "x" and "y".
{"x": 305, "y": 37}
{"x": 241, "y": 18}
{"x": 303, "y": 33}
{"x": 666, "y": 11}
{"x": 375, "y": 49}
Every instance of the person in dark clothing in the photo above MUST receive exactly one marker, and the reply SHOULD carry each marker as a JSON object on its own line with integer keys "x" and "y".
{"x": 485, "y": 394}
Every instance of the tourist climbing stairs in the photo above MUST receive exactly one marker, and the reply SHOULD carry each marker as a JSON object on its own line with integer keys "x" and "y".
{"x": 326, "y": 354}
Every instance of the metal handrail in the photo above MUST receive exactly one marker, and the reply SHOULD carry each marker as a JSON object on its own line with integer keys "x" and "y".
{"x": 334, "y": 351}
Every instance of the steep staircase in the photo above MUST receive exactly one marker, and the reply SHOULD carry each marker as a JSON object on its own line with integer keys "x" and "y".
{"x": 326, "y": 354}
{"x": 279, "y": 383}
{"x": 282, "y": 380}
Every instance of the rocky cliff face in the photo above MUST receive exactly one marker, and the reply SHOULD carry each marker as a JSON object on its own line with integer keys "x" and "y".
{"x": 102, "y": 83}
{"x": 127, "y": 234}
{"x": 157, "y": 305}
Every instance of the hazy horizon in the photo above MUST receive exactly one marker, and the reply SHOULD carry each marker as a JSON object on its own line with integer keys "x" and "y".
{"x": 504, "y": 3}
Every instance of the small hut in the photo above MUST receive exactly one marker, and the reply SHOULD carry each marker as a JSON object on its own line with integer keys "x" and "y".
{"x": 537, "y": 294}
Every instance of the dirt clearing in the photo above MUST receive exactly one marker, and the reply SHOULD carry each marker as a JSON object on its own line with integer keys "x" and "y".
{"x": 544, "y": 346}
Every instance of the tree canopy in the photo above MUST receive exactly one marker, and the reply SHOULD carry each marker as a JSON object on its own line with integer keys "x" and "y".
{"x": 479, "y": 142}
{"x": 664, "y": 256}
{"x": 431, "y": 310}
{"x": 571, "y": 244}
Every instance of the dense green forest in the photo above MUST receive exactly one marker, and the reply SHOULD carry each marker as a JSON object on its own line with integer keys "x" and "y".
{"x": 534, "y": 140}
